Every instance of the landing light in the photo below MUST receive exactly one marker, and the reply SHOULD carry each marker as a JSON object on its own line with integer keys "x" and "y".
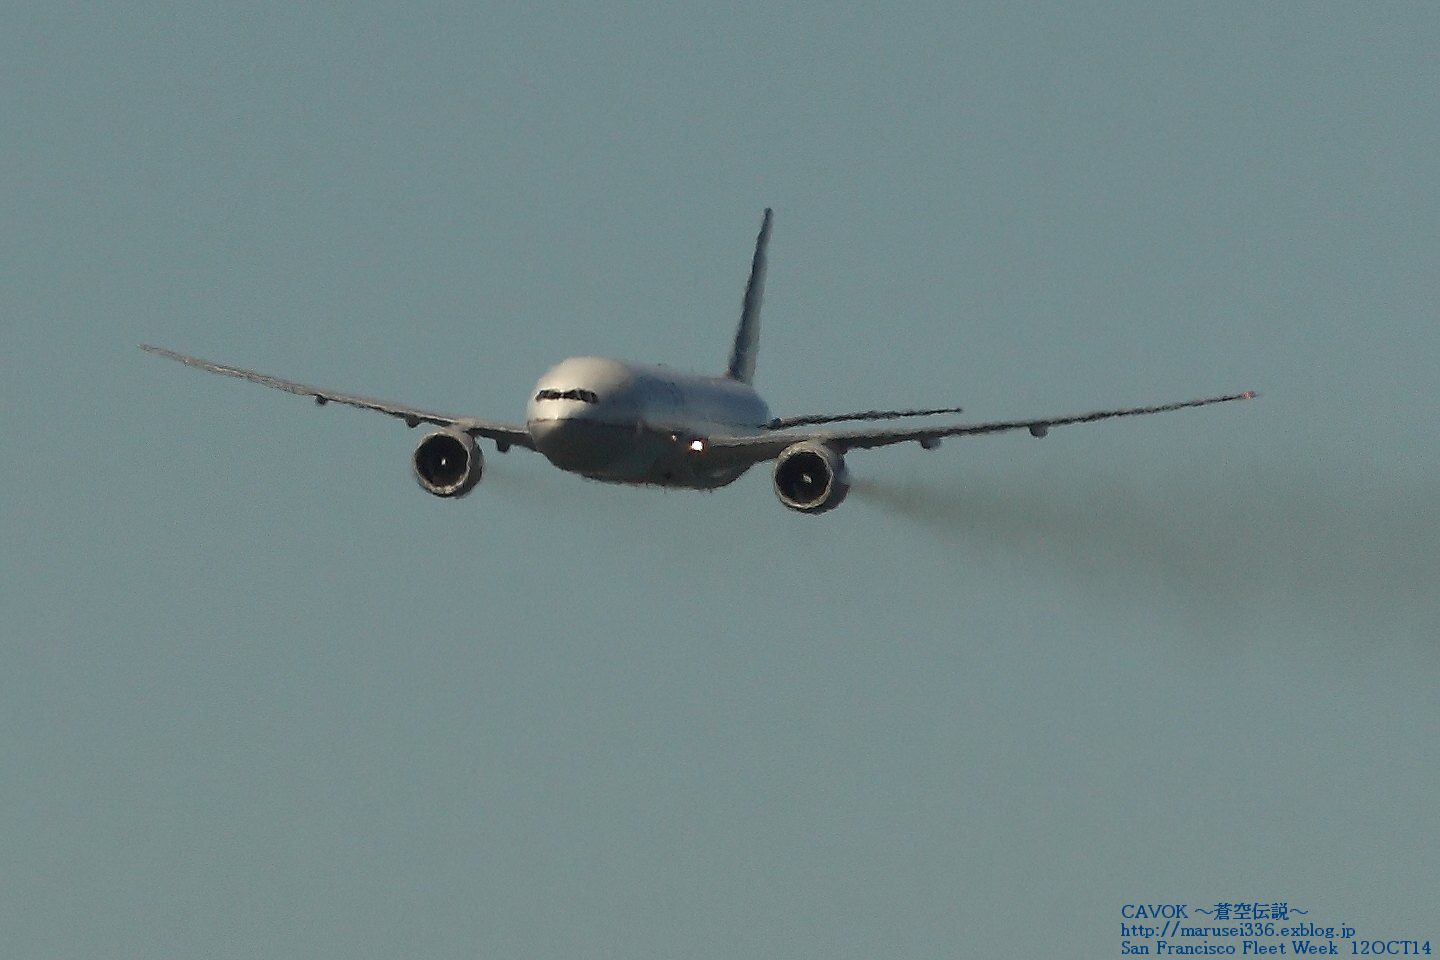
{"x": 697, "y": 445}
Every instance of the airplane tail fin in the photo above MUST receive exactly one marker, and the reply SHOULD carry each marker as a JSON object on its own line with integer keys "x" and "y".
{"x": 747, "y": 335}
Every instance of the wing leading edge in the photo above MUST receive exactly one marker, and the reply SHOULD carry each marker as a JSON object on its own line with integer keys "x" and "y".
{"x": 767, "y": 446}
{"x": 505, "y": 435}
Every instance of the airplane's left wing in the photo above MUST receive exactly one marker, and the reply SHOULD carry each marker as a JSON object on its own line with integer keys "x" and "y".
{"x": 759, "y": 447}
{"x": 504, "y": 434}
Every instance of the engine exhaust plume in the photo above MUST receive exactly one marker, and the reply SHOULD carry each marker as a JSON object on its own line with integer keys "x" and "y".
{"x": 1362, "y": 561}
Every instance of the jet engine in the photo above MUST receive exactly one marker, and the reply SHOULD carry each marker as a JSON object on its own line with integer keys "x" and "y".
{"x": 811, "y": 477}
{"x": 447, "y": 463}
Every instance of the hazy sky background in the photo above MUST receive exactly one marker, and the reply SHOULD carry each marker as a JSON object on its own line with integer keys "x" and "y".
{"x": 260, "y": 696}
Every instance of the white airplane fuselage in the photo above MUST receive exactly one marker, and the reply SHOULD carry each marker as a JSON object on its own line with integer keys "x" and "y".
{"x": 630, "y": 423}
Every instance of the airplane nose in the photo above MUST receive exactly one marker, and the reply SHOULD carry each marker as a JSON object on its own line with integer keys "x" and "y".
{"x": 574, "y": 444}
{"x": 546, "y": 433}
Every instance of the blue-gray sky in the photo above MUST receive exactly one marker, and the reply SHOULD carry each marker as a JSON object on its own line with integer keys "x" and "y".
{"x": 262, "y": 697}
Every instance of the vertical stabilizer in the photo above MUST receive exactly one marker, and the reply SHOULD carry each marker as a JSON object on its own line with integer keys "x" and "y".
{"x": 747, "y": 335}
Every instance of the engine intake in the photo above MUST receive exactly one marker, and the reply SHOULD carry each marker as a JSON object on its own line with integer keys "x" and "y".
{"x": 811, "y": 477}
{"x": 447, "y": 463}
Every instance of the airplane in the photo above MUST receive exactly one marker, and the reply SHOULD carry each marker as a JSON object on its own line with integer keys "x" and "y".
{"x": 635, "y": 424}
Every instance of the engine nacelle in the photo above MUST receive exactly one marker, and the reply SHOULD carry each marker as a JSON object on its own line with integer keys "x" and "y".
{"x": 811, "y": 477}
{"x": 447, "y": 463}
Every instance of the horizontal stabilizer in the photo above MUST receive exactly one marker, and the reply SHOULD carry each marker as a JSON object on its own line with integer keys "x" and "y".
{"x": 784, "y": 423}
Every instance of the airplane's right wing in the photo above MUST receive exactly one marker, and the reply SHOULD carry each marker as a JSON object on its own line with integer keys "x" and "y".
{"x": 756, "y": 448}
{"x": 504, "y": 434}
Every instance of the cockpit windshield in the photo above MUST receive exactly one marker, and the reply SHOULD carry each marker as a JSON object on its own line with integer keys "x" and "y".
{"x": 585, "y": 396}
